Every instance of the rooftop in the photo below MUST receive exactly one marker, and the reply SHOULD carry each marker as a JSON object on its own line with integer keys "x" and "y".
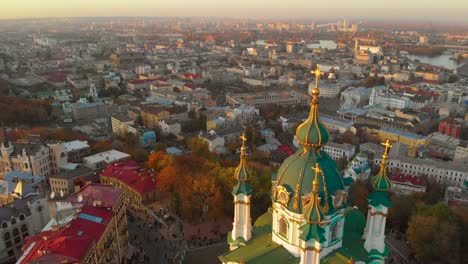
{"x": 107, "y": 156}
{"x": 70, "y": 243}
{"x": 131, "y": 174}
{"x": 76, "y": 172}
{"x": 75, "y": 145}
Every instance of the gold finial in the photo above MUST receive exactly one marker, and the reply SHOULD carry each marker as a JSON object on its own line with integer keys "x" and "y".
{"x": 315, "y": 182}
{"x": 244, "y": 139}
{"x": 317, "y": 74}
{"x": 387, "y": 146}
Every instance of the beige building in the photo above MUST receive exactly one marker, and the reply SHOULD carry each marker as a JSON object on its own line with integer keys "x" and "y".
{"x": 69, "y": 181}
{"x": 151, "y": 115}
{"x": 120, "y": 124}
{"x": 260, "y": 99}
{"x": 461, "y": 153}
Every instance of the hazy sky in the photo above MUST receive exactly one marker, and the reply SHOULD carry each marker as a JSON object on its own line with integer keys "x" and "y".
{"x": 427, "y": 10}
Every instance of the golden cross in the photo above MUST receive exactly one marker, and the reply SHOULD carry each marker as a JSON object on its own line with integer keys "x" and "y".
{"x": 243, "y": 138}
{"x": 315, "y": 182}
{"x": 317, "y": 169}
{"x": 387, "y": 146}
{"x": 317, "y": 74}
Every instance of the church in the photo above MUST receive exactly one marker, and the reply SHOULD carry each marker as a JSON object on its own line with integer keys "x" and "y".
{"x": 309, "y": 221}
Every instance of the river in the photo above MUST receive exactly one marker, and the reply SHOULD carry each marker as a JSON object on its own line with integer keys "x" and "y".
{"x": 440, "y": 60}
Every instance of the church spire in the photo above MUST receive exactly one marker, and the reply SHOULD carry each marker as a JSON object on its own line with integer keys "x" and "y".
{"x": 312, "y": 133}
{"x": 242, "y": 174}
{"x": 313, "y": 213}
{"x": 242, "y": 226}
{"x": 381, "y": 182}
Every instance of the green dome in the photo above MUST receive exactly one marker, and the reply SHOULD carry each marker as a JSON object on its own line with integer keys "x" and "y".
{"x": 296, "y": 175}
{"x": 380, "y": 182}
{"x": 242, "y": 174}
{"x": 312, "y": 132}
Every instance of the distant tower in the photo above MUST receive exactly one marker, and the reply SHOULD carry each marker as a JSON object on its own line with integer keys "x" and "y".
{"x": 356, "y": 45}
{"x": 242, "y": 226}
{"x": 93, "y": 91}
{"x": 379, "y": 203}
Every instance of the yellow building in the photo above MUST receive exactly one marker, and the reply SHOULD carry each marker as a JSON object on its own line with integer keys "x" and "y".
{"x": 151, "y": 115}
{"x": 395, "y": 135}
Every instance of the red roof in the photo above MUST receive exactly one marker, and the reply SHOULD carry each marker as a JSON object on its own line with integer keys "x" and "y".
{"x": 403, "y": 178}
{"x": 131, "y": 174}
{"x": 162, "y": 79}
{"x": 56, "y": 77}
{"x": 191, "y": 86}
{"x": 286, "y": 149}
{"x": 106, "y": 194}
{"x": 143, "y": 81}
{"x": 71, "y": 242}
{"x": 191, "y": 76}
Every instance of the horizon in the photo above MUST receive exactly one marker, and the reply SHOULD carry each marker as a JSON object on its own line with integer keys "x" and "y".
{"x": 451, "y": 11}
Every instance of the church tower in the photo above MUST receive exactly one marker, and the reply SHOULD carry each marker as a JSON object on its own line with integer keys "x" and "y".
{"x": 379, "y": 203}
{"x": 93, "y": 91}
{"x": 242, "y": 192}
{"x": 312, "y": 233}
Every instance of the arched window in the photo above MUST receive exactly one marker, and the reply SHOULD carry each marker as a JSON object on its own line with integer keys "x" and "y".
{"x": 13, "y": 221}
{"x": 4, "y": 224}
{"x": 15, "y": 232}
{"x": 6, "y": 236}
{"x": 283, "y": 227}
{"x": 24, "y": 228}
{"x": 334, "y": 231}
{"x": 21, "y": 217}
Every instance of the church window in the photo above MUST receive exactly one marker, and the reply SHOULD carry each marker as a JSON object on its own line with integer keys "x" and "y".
{"x": 334, "y": 231}
{"x": 283, "y": 227}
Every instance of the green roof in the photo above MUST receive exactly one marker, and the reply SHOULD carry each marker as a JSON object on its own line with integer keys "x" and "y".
{"x": 264, "y": 224}
{"x": 379, "y": 198}
{"x": 260, "y": 250}
{"x": 242, "y": 187}
{"x": 309, "y": 231}
{"x": 312, "y": 132}
{"x": 381, "y": 182}
{"x": 296, "y": 174}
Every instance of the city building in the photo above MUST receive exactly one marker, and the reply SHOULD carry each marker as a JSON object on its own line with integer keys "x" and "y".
{"x": 138, "y": 184}
{"x": 151, "y": 115}
{"x": 16, "y": 184}
{"x": 24, "y": 212}
{"x": 120, "y": 123}
{"x": 358, "y": 168}
{"x": 95, "y": 232}
{"x": 25, "y": 156}
{"x": 91, "y": 111}
{"x": 451, "y": 127}
{"x": 443, "y": 172}
{"x": 407, "y": 184}
{"x": 338, "y": 151}
{"x": 101, "y": 160}
{"x": 309, "y": 222}
{"x": 71, "y": 180}
{"x": 260, "y": 99}
{"x": 170, "y": 127}
{"x": 461, "y": 153}
{"x": 456, "y": 196}
{"x": 407, "y": 138}
{"x": 76, "y": 150}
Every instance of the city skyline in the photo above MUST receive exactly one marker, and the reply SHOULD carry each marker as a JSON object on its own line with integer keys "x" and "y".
{"x": 447, "y": 11}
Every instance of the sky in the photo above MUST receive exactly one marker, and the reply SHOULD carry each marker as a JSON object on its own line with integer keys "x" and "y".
{"x": 424, "y": 10}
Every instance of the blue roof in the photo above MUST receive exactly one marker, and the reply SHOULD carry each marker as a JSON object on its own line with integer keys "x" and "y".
{"x": 173, "y": 151}
{"x": 29, "y": 181}
{"x": 402, "y": 133}
{"x": 335, "y": 121}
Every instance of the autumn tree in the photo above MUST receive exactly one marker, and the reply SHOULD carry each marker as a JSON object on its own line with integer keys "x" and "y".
{"x": 434, "y": 234}
{"x": 357, "y": 195}
{"x": 159, "y": 160}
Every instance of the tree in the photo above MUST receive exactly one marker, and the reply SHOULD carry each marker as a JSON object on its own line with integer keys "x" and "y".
{"x": 358, "y": 193}
{"x": 400, "y": 212}
{"x": 158, "y": 160}
{"x": 437, "y": 225}
{"x": 167, "y": 178}
{"x": 101, "y": 146}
